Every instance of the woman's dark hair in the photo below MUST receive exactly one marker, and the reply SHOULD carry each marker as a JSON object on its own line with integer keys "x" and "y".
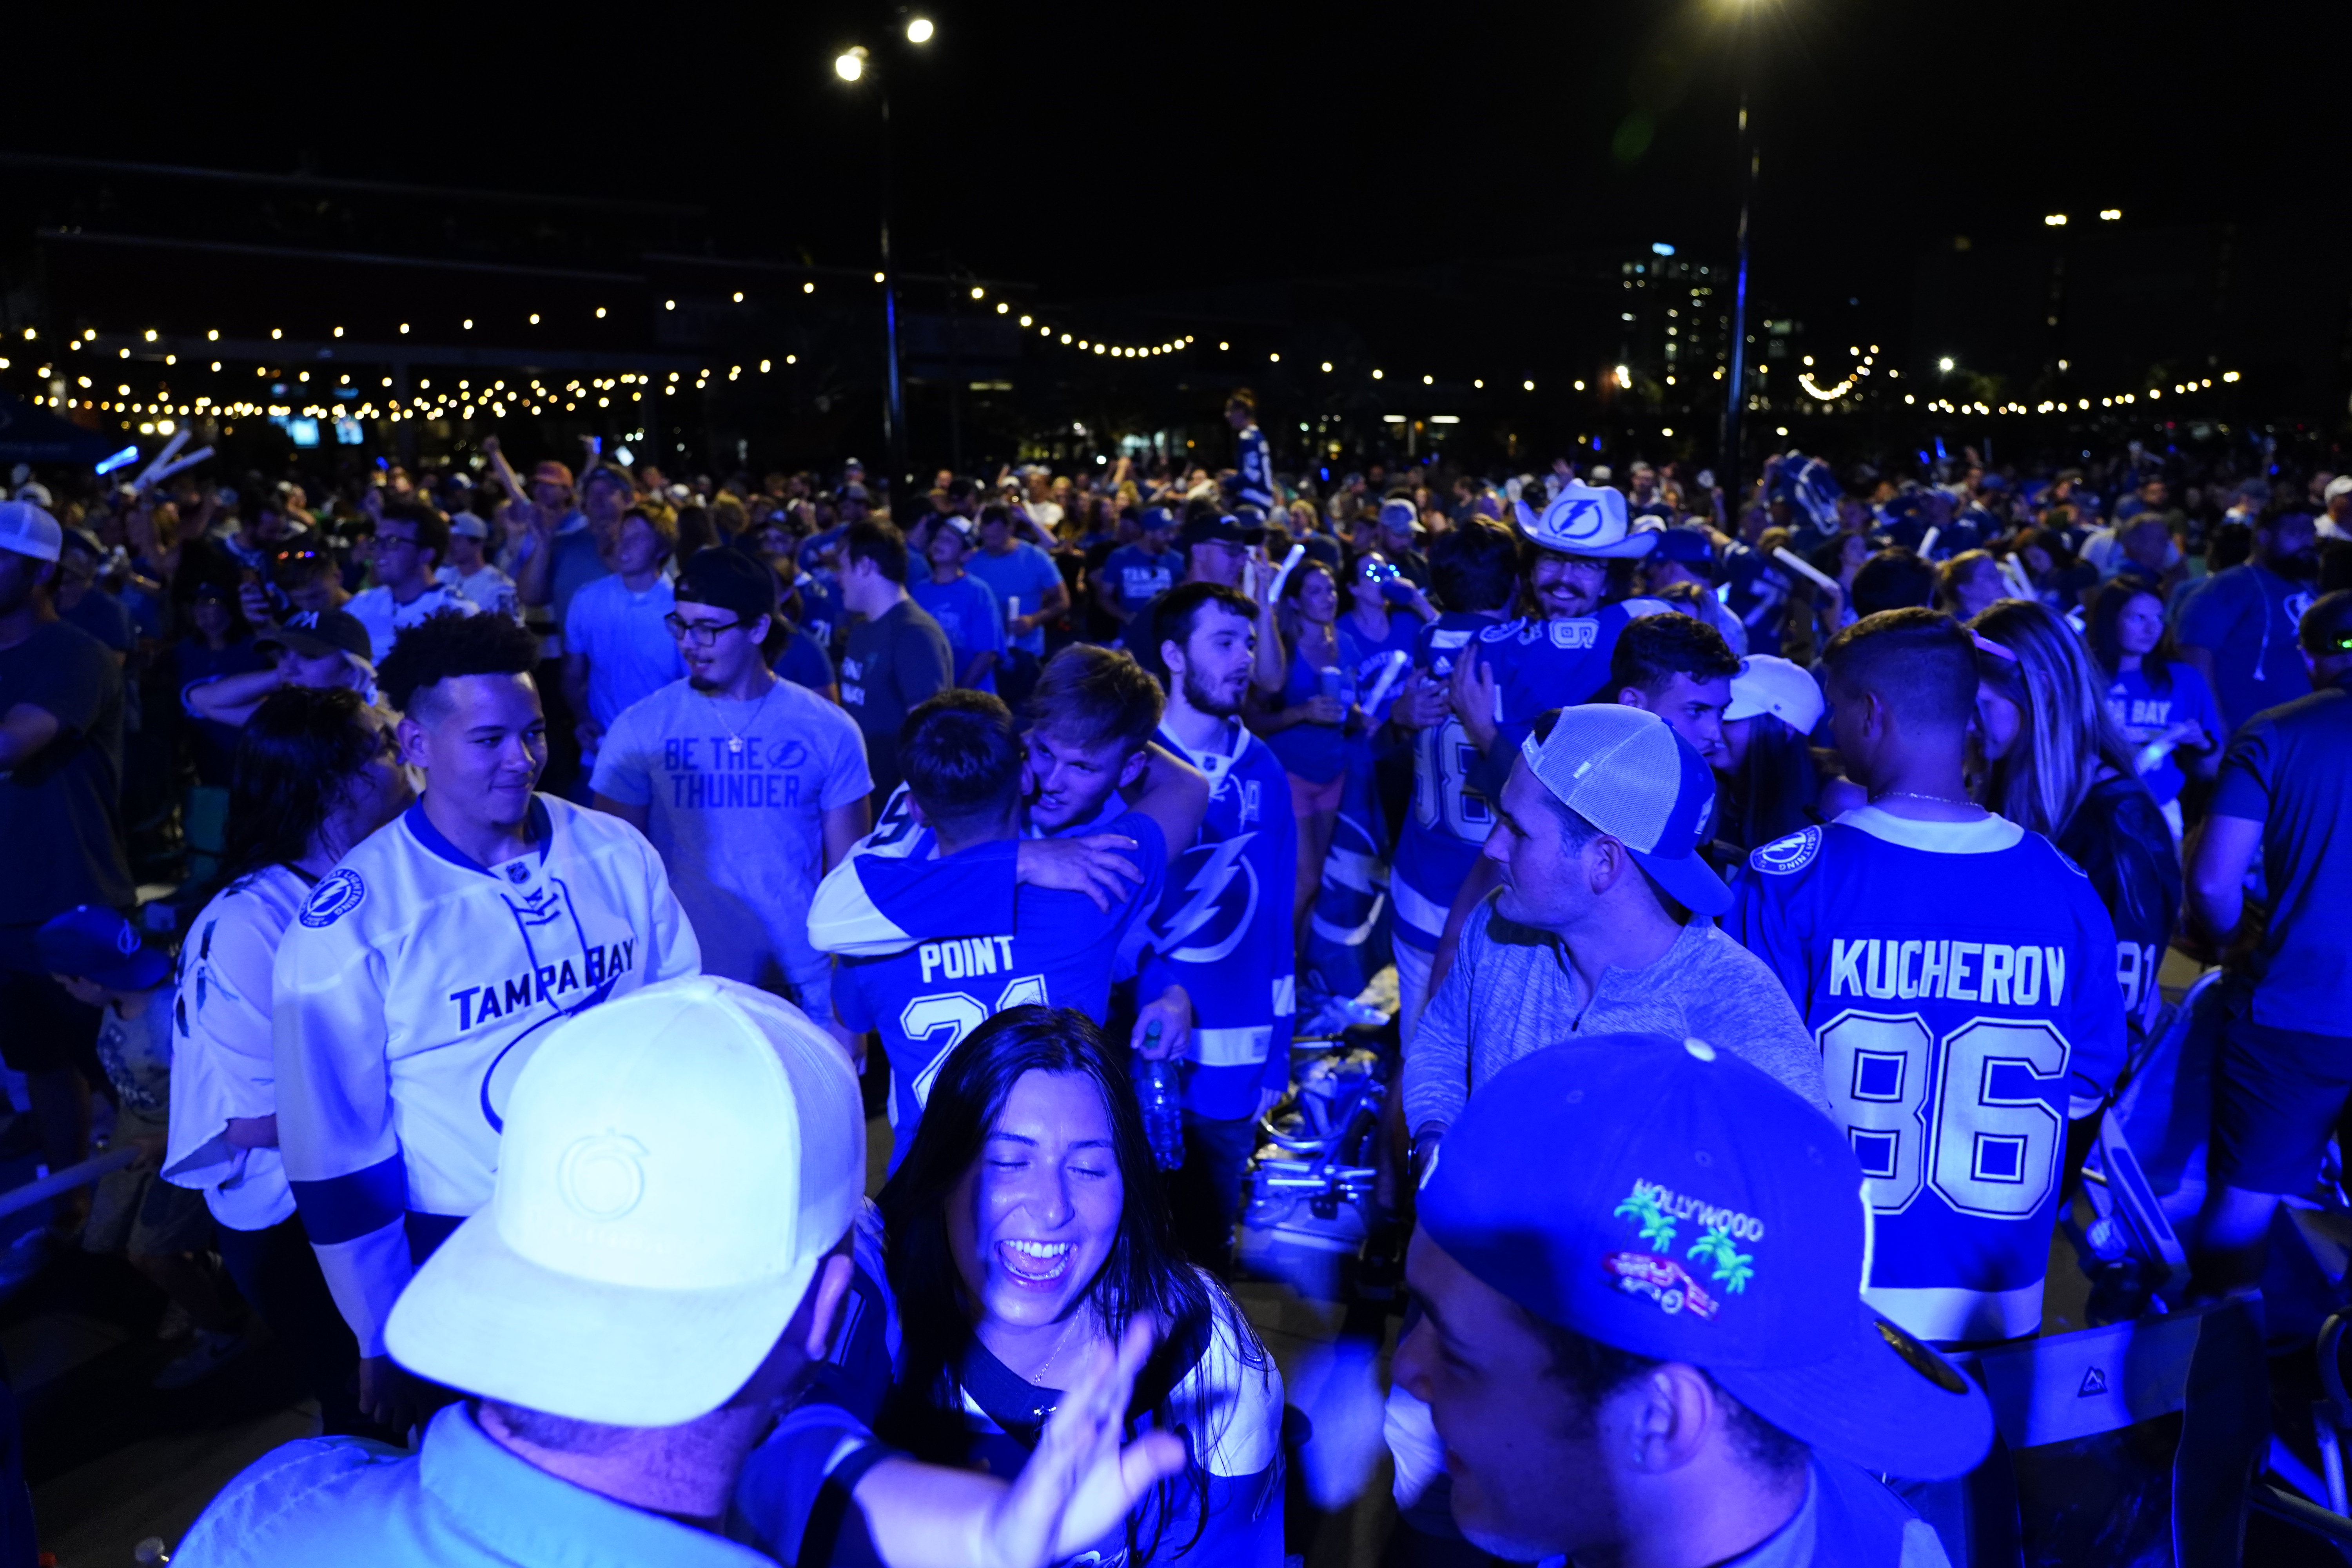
{"x": 697, "y": 530}
{"x": 1777, "y": 787}
{"x": 295, "y": 760}
{"x": 1145, "y": 1275}
{"x": 2051, "y": 543}
{"x": 2107, "y": 643}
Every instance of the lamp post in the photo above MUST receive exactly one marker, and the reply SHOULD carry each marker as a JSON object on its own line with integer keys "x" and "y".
{"x": 854, "y": 64}
{"x": 1751, "y": 159}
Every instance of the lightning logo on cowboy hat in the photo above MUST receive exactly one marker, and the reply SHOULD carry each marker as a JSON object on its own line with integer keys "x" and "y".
{"x": 1585, "y": 520}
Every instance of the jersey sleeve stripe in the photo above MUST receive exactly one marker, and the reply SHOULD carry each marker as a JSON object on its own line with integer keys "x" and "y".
{"x": 343, "y": 1208}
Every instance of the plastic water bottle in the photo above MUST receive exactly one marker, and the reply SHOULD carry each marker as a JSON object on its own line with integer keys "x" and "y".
{"x": 1164, "y": 1110}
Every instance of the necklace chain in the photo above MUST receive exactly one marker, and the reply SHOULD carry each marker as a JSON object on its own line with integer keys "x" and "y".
{"x": 1060, "y": 1343}
{"x": 1915, "y": 795}
{"x": 735, "y": 738}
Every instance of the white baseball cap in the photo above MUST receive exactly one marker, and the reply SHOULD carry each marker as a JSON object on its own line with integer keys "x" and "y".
{"x": 675, "y": 1167}
{"x": 26, "y": 530}
{"x": 2338, "y": 486}
{"x": 1769, "y": 685}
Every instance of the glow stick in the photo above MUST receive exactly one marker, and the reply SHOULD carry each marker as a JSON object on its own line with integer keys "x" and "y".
{"x": 1281, "y": 575}
{"x": 171, "y": 449}
{"x": 2014, "y": 575}
{"x": 1392, "y": 668}
{"x": 1927, "y": 542}
{"x": 1798, "y": 564}
{"x": 190, "y": 461}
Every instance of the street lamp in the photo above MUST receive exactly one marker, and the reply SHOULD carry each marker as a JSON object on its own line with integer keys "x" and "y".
{"x": 1751, "y": 160}
{"x": 854, "y": 64}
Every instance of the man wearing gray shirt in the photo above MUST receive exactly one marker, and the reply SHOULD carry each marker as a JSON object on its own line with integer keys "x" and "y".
{"x": 1597, "y": 844}
{"x": 751, "y": 787}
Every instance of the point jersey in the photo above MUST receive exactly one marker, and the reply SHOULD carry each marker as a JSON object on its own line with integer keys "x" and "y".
{"x": 1960, "y": 979}
{"x": 407, "y": 995}
{"x": 934, "y": 946}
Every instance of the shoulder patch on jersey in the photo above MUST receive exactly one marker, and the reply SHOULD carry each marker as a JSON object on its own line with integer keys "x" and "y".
{"x": 1784, "y": 857}
{"x": 1581, "y": 632}
{"x": 333, "y": 899}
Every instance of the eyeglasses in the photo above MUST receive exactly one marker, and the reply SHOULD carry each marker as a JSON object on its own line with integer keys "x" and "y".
{"x": 701, "y": 634}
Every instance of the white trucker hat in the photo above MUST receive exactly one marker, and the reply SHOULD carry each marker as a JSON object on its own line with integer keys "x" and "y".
{"x": 675, "y": 1166}
{"x": 26, "y": 530}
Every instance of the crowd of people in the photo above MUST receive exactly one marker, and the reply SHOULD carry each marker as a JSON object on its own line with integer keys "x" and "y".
{"x": 544, "y": 861}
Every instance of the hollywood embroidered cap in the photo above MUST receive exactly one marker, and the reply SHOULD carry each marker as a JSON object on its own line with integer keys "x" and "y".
{"x": 1712, "y": 1217}
{"x": 675, "y": 1166}
{"x": 1627, "y": 772}
{"x": 1786, "y": 690}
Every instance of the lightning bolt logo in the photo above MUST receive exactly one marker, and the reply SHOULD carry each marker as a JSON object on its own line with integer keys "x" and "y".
{"x": 1206, "y": 890}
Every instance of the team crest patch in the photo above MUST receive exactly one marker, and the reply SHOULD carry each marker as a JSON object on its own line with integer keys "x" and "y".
{"x": 1784, "y": 856}
{"x": 333, "y": 899}
{"x": 1581, "y": 633}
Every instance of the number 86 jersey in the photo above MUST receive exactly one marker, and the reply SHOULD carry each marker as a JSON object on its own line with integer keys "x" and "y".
{"x": 1960, "y": 979}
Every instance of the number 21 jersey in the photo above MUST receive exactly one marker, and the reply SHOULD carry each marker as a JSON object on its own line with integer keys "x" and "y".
{"x": 1961, "y": 978}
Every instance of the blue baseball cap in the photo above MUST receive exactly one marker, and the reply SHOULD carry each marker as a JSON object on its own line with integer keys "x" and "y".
{"x": 97, "y": 945}
{"x": 1710, "y": 1216}
{"x": 1627, "y": 772}
{"x": 1156, "y": 519}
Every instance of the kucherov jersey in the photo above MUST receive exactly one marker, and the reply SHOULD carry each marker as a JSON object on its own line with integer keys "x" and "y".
{"x": 1960, "y": 979}
{"x": 1223, "y": 928}
{"x": 931, "y": 947}
{"x": 408, "y": 994}
{"x": 1254, "y": 463}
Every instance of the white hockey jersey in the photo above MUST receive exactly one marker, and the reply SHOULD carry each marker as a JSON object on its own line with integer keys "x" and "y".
{"x": 221, "y": 1063}
{"x": 408, "y": 994}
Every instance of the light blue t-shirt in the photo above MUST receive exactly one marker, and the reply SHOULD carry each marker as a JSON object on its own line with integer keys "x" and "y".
{"x": 630, "y": 652}
{"x": 738, "y": 794}
{"x": 462, "y": 1500}
{"x": 1024, "y": 572}
{"x": 2143, "y": 713}
{"x": 968, "y": 611}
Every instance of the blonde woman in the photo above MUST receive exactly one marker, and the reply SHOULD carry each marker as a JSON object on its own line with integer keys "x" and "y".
{"x": 2056, "y": 764}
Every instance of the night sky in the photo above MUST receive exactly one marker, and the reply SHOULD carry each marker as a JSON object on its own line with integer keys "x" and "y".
{"x": 1102, "y": 150}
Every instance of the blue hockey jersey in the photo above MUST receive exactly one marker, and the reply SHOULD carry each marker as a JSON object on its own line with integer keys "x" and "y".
{"x": 1253, "y": 466}
{"x": 931, "y": 947}
{"x": 1449, "y": 819}
{"x": 1222, "y": 929}
{"x": 1961, "y": 978}
{"x": 1541, "y": 665}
